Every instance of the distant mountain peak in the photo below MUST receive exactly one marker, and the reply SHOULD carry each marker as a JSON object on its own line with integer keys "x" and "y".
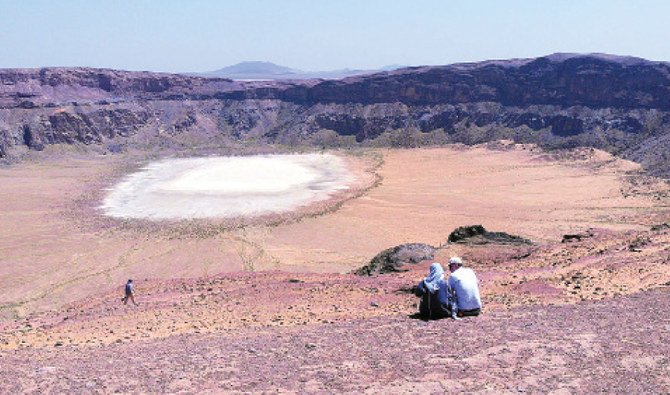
{"x": 256, "y": 67}
{"x": 264, "y": 70}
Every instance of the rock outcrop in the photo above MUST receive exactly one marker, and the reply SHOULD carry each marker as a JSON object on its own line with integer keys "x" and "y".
{"x": 575, "y": 237}
{"x": 393, "y": 259}
{"x": 477, "y": 234}
{"x": 660, "y": 227}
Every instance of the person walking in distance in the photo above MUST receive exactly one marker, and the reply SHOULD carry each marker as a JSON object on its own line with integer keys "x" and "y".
{"x": 130, "y": 292}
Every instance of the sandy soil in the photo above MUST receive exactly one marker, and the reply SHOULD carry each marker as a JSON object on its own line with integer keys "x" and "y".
{"x": 50, "y": 255}
{"x": 584, "y": 316}
{"x": 269, "y": 306}
{"x": 602, "y": 265}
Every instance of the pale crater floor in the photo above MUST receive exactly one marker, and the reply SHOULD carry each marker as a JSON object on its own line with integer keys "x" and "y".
{"x": 226, "y": 187}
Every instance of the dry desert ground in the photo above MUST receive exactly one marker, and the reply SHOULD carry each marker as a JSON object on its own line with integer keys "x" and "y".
{"x": 269, "y": 303}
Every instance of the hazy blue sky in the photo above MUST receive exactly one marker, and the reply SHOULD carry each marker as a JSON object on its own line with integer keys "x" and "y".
{"x": 201, "y": 35}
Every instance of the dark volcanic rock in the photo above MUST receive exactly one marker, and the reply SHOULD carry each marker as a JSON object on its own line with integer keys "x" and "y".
{"x": 578, "y": 81}
{"x": 568, "y": 238}
{"x": 64, "y": 127}
{"x": 392, "y": 259}
{"x": 185, "y": 123}
{"x": 477, "y": 234}
{"x": 618, "y": 104}
{"x": 566, "y": 126}
{"x": 662, "y": 226}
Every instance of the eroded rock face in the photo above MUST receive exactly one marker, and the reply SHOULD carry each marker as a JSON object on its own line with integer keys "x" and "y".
{"x": 393, "y": 259}
{"x": 560, "y": 101}
{"x": 87, "y": 128}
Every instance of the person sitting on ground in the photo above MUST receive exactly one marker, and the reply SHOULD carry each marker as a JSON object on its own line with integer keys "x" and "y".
{"x": 434, "y": 294}
{"x": 130, "y": 292}
{"x": 464, "y": 290}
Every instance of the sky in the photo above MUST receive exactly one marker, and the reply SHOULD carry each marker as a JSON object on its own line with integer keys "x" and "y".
{"x": 317, "y": 35}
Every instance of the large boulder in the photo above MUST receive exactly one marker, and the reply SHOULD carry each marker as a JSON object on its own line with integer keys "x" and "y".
{"x": 477, "y": 234}
{"x": 393, "y": 259}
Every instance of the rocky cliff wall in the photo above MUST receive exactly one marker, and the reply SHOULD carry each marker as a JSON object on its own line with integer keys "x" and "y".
{"x": 618, "y": 104}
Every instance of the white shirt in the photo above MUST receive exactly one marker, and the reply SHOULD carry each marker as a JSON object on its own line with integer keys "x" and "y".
{"x": 464, "y": 282}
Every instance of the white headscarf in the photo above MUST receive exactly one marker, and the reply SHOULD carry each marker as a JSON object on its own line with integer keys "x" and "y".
{"x": 436, "y": 274}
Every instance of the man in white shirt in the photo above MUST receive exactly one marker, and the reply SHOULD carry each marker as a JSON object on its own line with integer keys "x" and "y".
{"x": 464, "y": 288}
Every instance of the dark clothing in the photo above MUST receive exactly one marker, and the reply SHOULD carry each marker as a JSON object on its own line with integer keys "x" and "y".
{"x": 130, "y": 293}
{"x": 469, "y": 313}
{"x": 430, "y": 306}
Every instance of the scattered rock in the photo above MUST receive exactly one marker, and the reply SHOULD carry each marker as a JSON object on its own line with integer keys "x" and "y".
{"x": 577, "y": 236}
{"x": 46, "y": 369}
{"x": 392, "y": 259}
{"x": 115, "y": 148}
{"x": 374, "y": 304}
{"x": 638, "y": 243}
{"x": 295, "y": 280}
{"x": 310, "y": 346}
{"x": 662, "y": 226}
{"x": 477, "y": 234}
{"x": 569, "y": 238}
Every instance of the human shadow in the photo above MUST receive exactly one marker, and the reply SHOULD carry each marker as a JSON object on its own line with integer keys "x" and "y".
{"x": 419, "y": 316}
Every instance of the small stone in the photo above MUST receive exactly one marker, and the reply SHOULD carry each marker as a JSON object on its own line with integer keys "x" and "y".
{"x": 374, "y": 304}
{"x": 46, "y": 369}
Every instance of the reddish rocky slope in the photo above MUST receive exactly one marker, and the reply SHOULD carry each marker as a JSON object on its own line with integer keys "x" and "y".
{"x": 583, "y": 315}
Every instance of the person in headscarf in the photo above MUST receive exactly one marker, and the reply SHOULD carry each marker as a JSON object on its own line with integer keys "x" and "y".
{"x": 434, "y": 293}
